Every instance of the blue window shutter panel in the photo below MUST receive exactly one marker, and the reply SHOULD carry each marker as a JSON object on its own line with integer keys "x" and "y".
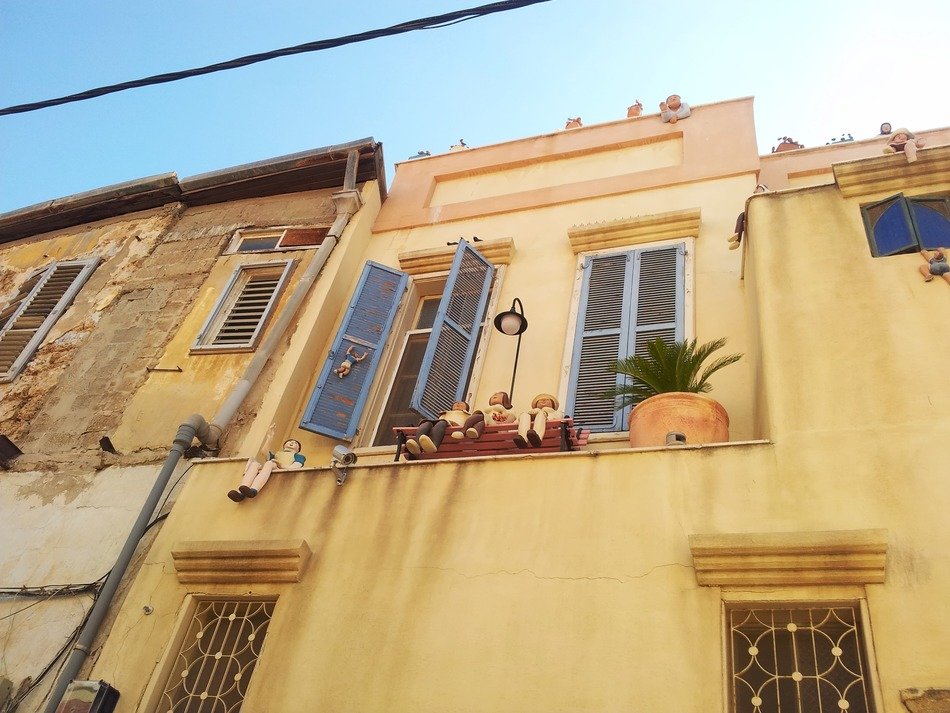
{"x": 336, "y": 403}
{"x": 445, "y": 368}
{"x": 889, "y": 227}
{"x": 602, "y": 328}
{"x": 931, "y": 218}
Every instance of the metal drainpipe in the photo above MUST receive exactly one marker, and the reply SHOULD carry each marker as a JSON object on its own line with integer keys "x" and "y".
{"x": 209, "y": 434}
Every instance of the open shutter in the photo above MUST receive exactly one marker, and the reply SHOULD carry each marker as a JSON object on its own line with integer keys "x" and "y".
{"x": 451, "y": 349}
{"x": 22, "y": 331}
{"x": 931, "y": 218}
{"x": 889, "y": 227}
{"x": 603, "y": 316}
{"x": 336, "y": 402}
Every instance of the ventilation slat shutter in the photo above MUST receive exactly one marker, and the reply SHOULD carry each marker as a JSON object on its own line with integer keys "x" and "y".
{"x": 246, "y": 317}
{"x": 336, "y": 403}
{"x": 445, "y": 368}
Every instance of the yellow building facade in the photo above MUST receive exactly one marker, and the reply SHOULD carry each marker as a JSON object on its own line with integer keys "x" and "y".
{"x": 799, "y": 566}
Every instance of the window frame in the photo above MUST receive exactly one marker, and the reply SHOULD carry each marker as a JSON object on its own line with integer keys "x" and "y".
{"x": 227, "y": 299}
{"x": 911, "y": 223}
{"x": 279, "y": 231}
{"x": 567, "y": 359}
{"x": 88, "y": 266}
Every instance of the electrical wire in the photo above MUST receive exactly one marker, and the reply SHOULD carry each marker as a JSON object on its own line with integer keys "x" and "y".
{"x": 428, "y": 23}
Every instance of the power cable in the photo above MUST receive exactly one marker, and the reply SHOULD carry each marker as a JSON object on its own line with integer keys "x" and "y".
{"x": 428, "y": 23}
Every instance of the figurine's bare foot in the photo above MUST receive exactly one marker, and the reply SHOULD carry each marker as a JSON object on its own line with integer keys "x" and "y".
{"x": 235, "y": 496}
{"x": 520, "y": 441}
{"x": 412, "y": 446}
{"x": 533, "y": 438}
{"x": 428, "y": 445}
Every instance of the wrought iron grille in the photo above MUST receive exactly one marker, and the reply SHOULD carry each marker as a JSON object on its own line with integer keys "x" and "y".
{"x": 798, "y": 660}
{"x": 217, "y": 657}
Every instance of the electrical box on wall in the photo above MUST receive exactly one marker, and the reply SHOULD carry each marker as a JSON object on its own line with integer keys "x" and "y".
{"x": 88, "y": 697}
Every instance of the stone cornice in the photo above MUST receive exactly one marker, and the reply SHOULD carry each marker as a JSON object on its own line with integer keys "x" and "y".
{"x": 892, "y": 173}
{"x": 239, "y": 561}
{"x": 790, "y": 558}
{"x": 419, "y": 262}
{"x": 632, "y": 231}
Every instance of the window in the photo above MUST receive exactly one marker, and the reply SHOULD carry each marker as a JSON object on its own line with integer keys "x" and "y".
{"x": 27, "y": 318}
{"x": 272, "y": 239}
{"x": 447, "y": 346}
{"x": 797, "y": 659}
{"x": 217, "y": 651}
{"x": 627, "y": 300}
{"x": 237, "y": 321}
{"x": 906, "y": 225}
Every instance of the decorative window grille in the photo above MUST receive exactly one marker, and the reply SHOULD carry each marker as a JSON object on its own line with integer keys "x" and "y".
{"x": 798, "y": 660}
{"x": 237, "y": 321}
{"x": 217, "y": 657}
{"x": 251, "y": 241}
{"x": 28, "y": 317}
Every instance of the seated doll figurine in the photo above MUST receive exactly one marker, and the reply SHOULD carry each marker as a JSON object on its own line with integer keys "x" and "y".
{"x": 937, "y": 265}
{"x": 673, "y": 109}
{"x": 429, "y": 434}
{"x": 497, "y": 411}
{"x": 256, "y": 475}
{"x": 903, "y": 140}
{"x": 533, "y": 422}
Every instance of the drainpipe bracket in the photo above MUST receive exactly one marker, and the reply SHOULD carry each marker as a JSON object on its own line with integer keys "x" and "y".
{"x": 347, "y": 201}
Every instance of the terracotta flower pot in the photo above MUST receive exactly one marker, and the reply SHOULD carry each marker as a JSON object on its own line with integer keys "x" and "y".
{"x": 701, "y": 418}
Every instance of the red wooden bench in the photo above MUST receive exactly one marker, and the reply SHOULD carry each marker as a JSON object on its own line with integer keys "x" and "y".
{"x": 498, "y": 439}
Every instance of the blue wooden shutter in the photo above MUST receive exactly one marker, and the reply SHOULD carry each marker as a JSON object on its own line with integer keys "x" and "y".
{"x": 336, "y": 403}
{"x": 889, "y": 227}
{"x": 451, "y": 349}
{"x": 627, "y": 300}
{"x": 931, "y": 218}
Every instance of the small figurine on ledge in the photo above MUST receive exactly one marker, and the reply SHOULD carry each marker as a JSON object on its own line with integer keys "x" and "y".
{"x": 673, "y": 109}
{"x": 256, "y": 475}
{"x": 885, "y": 129}
{"x": 937, "y": 265}
{"x": 903, "y": 140}
{"x": 497, "y": 411}
{"x": 345, "y": 367}
{"x": 429, "y": 433}
{"x": 634, "y": 109}
{"x": 533, "y": 422}
{"x": 574, "y": 123}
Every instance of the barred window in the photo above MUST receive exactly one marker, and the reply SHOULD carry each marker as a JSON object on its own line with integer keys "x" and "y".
{"x": 798, "y": 659}
{"x": 216, "y": 656}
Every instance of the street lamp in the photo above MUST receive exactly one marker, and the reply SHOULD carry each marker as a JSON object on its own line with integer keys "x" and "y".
{"x": 513, "y": 323}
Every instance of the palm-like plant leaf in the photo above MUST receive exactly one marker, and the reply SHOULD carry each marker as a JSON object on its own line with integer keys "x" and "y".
{"x": 667, "y": 367}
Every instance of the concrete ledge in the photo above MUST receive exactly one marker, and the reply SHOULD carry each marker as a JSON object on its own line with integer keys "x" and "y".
{"x": 420, "y": 262}
{"x": 790, "y": 558}
{"x": 240, "y": 561}
{"x": 631, "y": 231}
{"x": 891, "y": 172}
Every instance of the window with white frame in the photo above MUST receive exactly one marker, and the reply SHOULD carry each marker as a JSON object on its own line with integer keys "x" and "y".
{"x": 27, "y": 318}
{"x": 252, "y": 240}
{"x": 237, "y": 321}
{"x": 797, "y": 658}
{"x": 216, "y": 652}
{"x": 627, "y": 299}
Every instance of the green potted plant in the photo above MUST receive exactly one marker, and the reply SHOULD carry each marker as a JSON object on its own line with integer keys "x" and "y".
{"x": 665, "y": 387}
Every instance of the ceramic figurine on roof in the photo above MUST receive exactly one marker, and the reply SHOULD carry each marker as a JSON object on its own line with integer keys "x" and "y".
{"x": 574, "y": 123}
{"x": 430, "y": 434}
{"x": 533, "y": 422}
{"x": 497, "y": 411}
{"x": 460, "y": 146}
{"x": 885, "y": 129}
{"x": 937, "y": 265}
{"x": 903, "y": 140}
{"x": 788, "y": 144}
{"x": 256, "y": 474}
{"x": 634, "y": 109}
{"x": 673, "y": 109}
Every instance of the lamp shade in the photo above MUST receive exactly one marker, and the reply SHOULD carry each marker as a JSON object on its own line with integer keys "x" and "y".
{"x": 513, "y": 321}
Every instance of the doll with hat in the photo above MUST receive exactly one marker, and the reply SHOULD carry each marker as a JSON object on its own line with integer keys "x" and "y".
{"x": 904, "y": 141}
{"x": 497, "y": 411}
{"x": 430, "y": 433}
{"x": 533, "y": 422}
{"x": 256, "y": 474}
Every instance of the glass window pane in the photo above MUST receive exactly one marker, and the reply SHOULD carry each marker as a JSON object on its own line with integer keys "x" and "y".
{"x": 397, "y": 411}
{"x": 250, "y": 245}
{"x": 933, "y": 225}
{"x": 427, "y": 311}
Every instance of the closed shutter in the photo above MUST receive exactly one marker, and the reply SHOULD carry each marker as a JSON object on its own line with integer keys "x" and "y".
{"x": 244, "y": 320}
{"x": 336, "y": 403}
{"x": 627, "y": 300}
{"x": 24, "y": 327}
{"x": 444, "y": 374}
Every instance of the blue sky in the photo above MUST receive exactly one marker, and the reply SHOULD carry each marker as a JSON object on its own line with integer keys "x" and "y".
{"x": 816, "y": 69}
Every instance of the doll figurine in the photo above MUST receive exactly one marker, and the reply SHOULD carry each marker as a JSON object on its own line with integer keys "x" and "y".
{"x": 673, "y": 109}
{"x": 256, "y": 475}
{"x": 429, "y": 433}
{"x": 903, "y": 140}
{"x": 347, "y": 365}
{"x": 573, "y": 123}
{"x": 497, "y": 411}
{"x": 634, "y": 109}
{"x": 533, "y": 422}
{"x": 937, "y": 265}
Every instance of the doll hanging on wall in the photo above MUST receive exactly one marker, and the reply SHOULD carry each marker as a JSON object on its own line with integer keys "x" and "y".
{"x": 256, "y": 474}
